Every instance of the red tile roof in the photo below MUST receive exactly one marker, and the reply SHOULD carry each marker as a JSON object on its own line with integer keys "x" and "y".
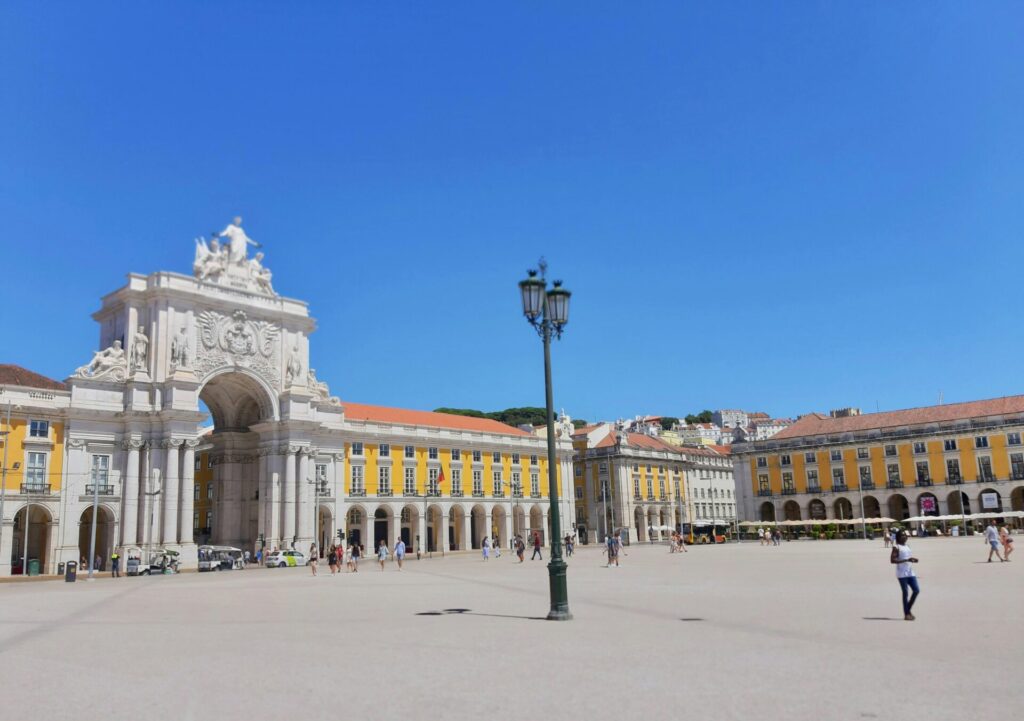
{"x": 383, "y": 414}
{"x": 815, "y": 424}
{"x": 639, "y": 440}
{"x": 724, "y": 450}
{"x": 12, "y": 375}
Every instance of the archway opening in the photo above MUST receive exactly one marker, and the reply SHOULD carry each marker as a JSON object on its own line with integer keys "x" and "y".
{"x": 872, "y": 509}
{"x": 476, "y": 526}
{"x": 928, "y": 504}
{"x": 380, "y": 529}
{"x": 325, "y": 537}
{"x": 354, "y": 525}
{"x": 640, "y": 523}
{"x": 32, "y": 525}
{"x": 990, "y": 500}
{"x": 842, "y": 508}
{"x": 104, "y": 537}
{"x": 456, "y": 524}
{"x": 816, "y": 509}
{"x": 767, "y": 512}
{"x": 898, "y": 507}
{"x": 791, "y": 511}
{"x": 229, "y": 505}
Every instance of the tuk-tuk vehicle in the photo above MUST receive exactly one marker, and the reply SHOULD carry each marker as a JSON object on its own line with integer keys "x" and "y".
{"x": 163, "y": 561}
{"x": 133, "y": 565}
{"x": 220, "y": 558}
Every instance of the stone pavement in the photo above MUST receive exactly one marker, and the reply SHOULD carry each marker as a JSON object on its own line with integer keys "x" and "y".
{"x": 810, "y": 630}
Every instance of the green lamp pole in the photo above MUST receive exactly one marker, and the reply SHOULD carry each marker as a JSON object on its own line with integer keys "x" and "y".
{"x": 548, "y": 312}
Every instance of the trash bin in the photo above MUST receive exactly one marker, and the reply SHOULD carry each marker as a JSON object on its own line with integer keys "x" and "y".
{"x": 60, "y": 568}
{"x": 71, "y": 571}
{"x": 33, "y": 566}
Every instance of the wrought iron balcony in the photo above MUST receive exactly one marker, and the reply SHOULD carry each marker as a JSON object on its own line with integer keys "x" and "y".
{"x": 839, "y": 488}
{"x": 894, "y": 484}
{"x": 789, "y": 491}
{"x": 498, "y": 493}
{"x": 478, "y": 494}
{"x": 535, "y": 495}
{"x": 38, "y": 489}
{"x": 922, "y": 482}
{"x": 867, "y": 485}
{"x": 409, "y": 494}
{"x": 814, "y": 489}
{"x": 764, "y": 492}
{"x": 105, "y": 489}
{"x": 955, "y": 481}
{"x": 385, "y": 493}
{"x": 357, "y": 492}
{"x": 456, "y": 493}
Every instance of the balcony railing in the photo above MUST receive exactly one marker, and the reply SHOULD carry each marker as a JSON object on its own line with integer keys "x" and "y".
{"x": 922, "y": 482}
{"x": 535, "y": 495}
{"x": 867, "y": 485}
{"x": 324, "y": 491}
{"x": 104, "y": 489}
{"x": 789, "y": 491}
{"x": 457, "y": 493}
{"x": 357, "y": 492}
{"x": 955, "y": 481}
{"x": 814, "y": 489}
{"x": 498, "y": 493}
{"x": 894, "y": 484}
{"x": 764, "y": 492}
{"x": 478, "y": 494}
{"x": 40, "y": 489}
{"x": 839, "y": 488}
{"x": 409, "y": 493}
{"x": 385, "y": 492}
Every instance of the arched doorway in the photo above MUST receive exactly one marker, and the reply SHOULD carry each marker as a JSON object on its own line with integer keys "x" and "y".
{"x": 33, "y": 536}
{"x": 791, "y": 511}
{"x": 872, "y": 508}
{"x": 767, "y": 512}
{"x": 990, "y": 501}
{"x": 354, "y": 525}
{"x": 898, "y": 507}
{"x": 237, "y": 400}
{"x": 435, "y": 524}
{"x": 928, "y": 504}
{"x": 456, "y": 524}
{"x": 959, "y": 503}
{"x": 816, "y": 509}
{"x": 325, "y": 530}
{"x": 498, "y": 514}
{"x": 842, "y": 508}
{"x": 477, "y": 530}
{"x": 536, "y": 524}
{"x": 104, "y": 536}
{"x": 518, "y": 521}
{"x": 1017, "y": 499}
{"x": 640, "y": 524}
{"x": 380, "y": 531}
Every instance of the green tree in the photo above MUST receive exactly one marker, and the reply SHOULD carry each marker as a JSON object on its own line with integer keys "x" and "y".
{"x": 667, "y": 422}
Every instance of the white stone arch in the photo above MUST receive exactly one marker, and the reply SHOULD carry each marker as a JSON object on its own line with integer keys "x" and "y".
{"x": 42, "y": 525}
{"x": 267, "y": 398}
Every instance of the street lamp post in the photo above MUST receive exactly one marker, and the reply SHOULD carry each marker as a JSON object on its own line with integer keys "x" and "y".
{"x": 548, "y": 312}
{"x": 3, "y": 469}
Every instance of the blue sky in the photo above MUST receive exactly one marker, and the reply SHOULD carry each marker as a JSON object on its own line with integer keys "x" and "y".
{"x": 776, "y": 206}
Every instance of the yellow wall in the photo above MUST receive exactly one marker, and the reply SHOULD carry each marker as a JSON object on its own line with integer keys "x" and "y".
{"x": 17, "y": 452}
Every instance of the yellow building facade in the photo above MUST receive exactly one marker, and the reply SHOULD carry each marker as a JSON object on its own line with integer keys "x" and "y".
{"x": 942, "y": 460}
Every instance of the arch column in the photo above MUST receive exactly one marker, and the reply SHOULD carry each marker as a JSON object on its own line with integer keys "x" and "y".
{"x": 130, "y": 507}
{"x": 488, "y": 519}
{"x": 303, "y": 502}
{"x": 288, "y": 498}
{"x": 188, "y": 482}
{"x": 169, "y": 528}
{"x": 465, "y": 541}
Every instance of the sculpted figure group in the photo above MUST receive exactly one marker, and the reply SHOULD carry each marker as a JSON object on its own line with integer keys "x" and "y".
{"x": 214, "y": 260}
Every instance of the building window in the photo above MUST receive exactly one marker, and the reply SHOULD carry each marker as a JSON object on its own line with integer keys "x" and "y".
{"x": 985, "y": 469}
{"x": 199, "y": 463}
{"x": 478, "y": 483}
{"x": 476, "y": 456}
{"x": 787, "y": 483}
{"x": 533, "y": 460}
{"x": 195, "y": 492}
{"x": 410, "y": 481}
{"x": 812, "y": 481}
{"x": 809, "y": 458}
{"x": 357, "y": 448}
{"x": 534, "y": 484}
{"x": 836, "y": 455}
{"x": 496, "y": 457}
{"x": 636, "y": 486}
{"x": 650, "y": 487}
{"x": 1013, "y": 439}
{"x": 784, "y": 459}
{"x": 893, "y": 470}
{"x": 39, "y": 429}
{"x": 209, "y": 460}
{"x": 579, "y": 470}
{"x": 981, "y": 441}
{"x": 517, "y": 484}
{"x": 195, "y": 521}
{"x": 862, "y": 453}
{"x": 949, "y": 444}
{"x": 953, "y": 470}
{"x": 515, "y": 459}
{"x": 661, "y": 488}
{"x": 890, "y": 450}
{"x": 579, "y": 495}
{"x": 432, "y": 454}
{"x": 432, "y": 487}
{"x": 456, "y": 454}
{"x": 209, "y": 491}
{"x": 384, "y": 481}
{"x": 762, "y": 462}
{"x": 410, "y": 451}
{"x": 865, "y": 477}
{"x": 923, "y": 476}
{"x": 35, "y": 471}
{"x": 496, "y": 489}
{"x": 100, "y": 471}
{"x": 358, "y": 489}
{"x": 1017, "y": 466}
{"x": 838, "y": 478}
{"x": 384, "y": 450}
{"x": 456, "y": 482}
{"x": 920, "y": 447}
{"x": 762, "y": 484}
{"x": 209, "y": 519}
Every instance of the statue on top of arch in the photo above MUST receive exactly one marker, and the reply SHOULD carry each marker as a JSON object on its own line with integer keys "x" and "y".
{"x": 228, "y": 263}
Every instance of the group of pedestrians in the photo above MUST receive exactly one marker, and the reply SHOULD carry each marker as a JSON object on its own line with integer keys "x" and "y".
{"x": 489, "y": 546}
{"x": 677, "y": 543}
{"x": 613, "y": 549}
{"x": 340, "y": 556}
{"x": 769, "y": 536}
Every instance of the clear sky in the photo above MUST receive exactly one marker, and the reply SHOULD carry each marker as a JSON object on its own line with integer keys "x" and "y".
{"x": 775, "y": 206}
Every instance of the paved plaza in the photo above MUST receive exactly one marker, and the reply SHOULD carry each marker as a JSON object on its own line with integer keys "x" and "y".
{"x": 809, "y": 630}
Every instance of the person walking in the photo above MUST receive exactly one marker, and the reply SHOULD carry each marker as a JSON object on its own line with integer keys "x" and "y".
{"x": 612, "y": 550}
{"x": 760, "y": 536}
{"x": 992, "y": 536}
{"x": 354, "y": 556}
{"x": 382, "y": 553}
{"x": 115, "y": 564}
{"x": 399, "y": 552}
{"x": 497, "y": 547}
{"x": 886, "y": 539}
{"x": 568, "y": 546}
{"x": 485, "y": 547}
{"x": 903, "y": 559}
{"x": 259, "y": 556}
{"x": 520, "y": 548}
{"x": 536, "y": 547}
{"x": 314, "y": 558}
{"x": 1007, "y": 540}
{"x": 332, "y": 559}
{"x": 339, "y": 552}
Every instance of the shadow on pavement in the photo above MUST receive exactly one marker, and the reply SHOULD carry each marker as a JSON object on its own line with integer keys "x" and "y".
{"x": 880, "y": 618}
{"x": 468, "y": 612}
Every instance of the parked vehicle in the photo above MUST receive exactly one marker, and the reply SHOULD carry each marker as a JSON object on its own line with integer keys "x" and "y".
{"x": 282, "y": 559}
{"x": 163, "y": 561}
{"x": 220, "y": 558}
{"x": 133, "y": 565}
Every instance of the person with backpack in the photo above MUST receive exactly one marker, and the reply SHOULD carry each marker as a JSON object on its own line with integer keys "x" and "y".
{"x": 520, "y": 545}
{"x": 536, "y": 547}
{"x": 612, "y": 549}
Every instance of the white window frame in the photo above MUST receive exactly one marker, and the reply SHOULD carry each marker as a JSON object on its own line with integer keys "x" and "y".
{"x": 35, "y": 425}
{"x": 384, "y": 480}
{"x": 409, "y": 481}
{"x": 357, "y": 478}
{"x": 535, "y": 484}
{"x": 409, "y": 452}
{"x": 456, "y": 481}
{"x": 35, "y": 472}
{"x": 384, "y": 450}
{"x": 357, "y": 448}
